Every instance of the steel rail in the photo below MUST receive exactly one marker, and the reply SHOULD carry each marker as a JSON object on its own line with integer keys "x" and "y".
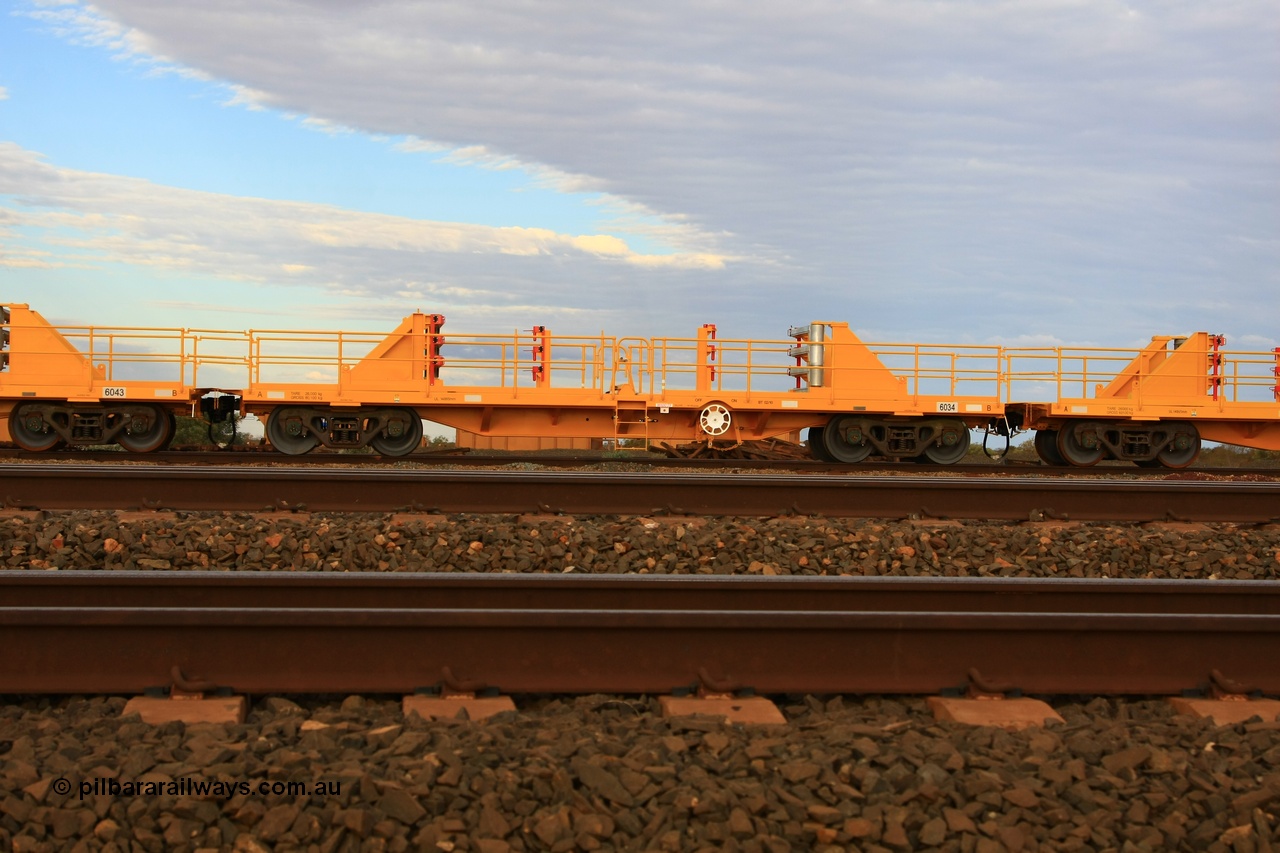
{"x": 464, "y": 590}
{"x": 479, "y": 459}
{"x": 254, "y": 489}
{"x": 524, "y": 634}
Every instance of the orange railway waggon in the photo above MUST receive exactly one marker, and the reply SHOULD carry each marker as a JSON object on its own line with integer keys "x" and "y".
{"x": 98, "y": 385}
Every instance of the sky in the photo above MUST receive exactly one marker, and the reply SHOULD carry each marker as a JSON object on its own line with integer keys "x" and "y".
{"x": 1019, "y": 172}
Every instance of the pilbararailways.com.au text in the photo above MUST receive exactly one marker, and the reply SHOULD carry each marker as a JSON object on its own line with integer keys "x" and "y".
{"x": 192, "y": 787}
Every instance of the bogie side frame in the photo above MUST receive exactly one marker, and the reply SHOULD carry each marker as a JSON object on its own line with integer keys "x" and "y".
{"x": 93, "y": 385}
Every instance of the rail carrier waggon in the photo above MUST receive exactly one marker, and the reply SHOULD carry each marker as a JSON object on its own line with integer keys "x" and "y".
{"x": 88, "y": 385}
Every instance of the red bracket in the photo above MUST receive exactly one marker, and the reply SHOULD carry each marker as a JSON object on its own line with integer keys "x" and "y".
{"x": 1276, "y": 371}
{"x": 711, "y": 349}
{"x": 539, "y": 352}
{"x": 435, "y": 341}
{"x": 1215, "y": 365}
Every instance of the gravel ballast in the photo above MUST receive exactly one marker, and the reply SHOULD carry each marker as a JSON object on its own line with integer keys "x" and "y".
{"x": 599, "y": 772}
{"x": 609, "y": 544}
{"x": 608, "y": 773}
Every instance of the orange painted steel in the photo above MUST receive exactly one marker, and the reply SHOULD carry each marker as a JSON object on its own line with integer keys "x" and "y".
{"x": 356, "y": 388}
{"x": 1230, "y": 396}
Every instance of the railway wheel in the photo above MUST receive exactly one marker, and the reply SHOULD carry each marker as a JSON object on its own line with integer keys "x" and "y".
{"x": 817, "y": 449}
{"x": 845, "y": 441}
{"x": 1183, "y": 449}
{"x": 1046, "y": 443}
{"x": 148, "y": 429}
{"x": 715, "y": 419}
{"x": 173, "y": 429}
{"x": 1080, "y": 445}
{"x": 402, "y": 435}
{"x": 30, "y": 431}
{"x": 287, "y": 430}
{"x": 950, "y": 446}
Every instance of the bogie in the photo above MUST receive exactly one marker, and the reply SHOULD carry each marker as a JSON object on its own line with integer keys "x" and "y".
{"x": 1171, "y": 444}
{"x": 299, "y": 429}
{"x": 852, "y": 438}
{"x": 136, "y": 428}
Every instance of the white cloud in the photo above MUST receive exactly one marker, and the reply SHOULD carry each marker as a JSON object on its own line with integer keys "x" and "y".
{"x": 243, "y": 96}
{"x": 167, "y": 225}
{"x": 91, "y": 220}
{"x": 903, "y": 165}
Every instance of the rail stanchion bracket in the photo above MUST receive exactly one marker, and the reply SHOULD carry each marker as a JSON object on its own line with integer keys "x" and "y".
{"x": 1227, "y": 702}
{"x": 455, "y": 698}
{"x": 793, "y": 511}
{"x": 1046, "y": 514}
{"x": 189, "y": 700}
{"x": 1223, "y": 687}
{"x": 979, "y": 686}
{"x": 721, "y": 697}
{"x": 990, "y": 702}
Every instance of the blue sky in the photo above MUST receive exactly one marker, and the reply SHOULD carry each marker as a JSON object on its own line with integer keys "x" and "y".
{"x": 81, "y": 103}
{"x": 85, "y": 107}
{"x": 1085, "y": 172}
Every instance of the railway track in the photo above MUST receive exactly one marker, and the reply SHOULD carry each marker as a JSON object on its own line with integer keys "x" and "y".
{"x": 265, "y": 633}
{"x": 45, "y": 486}
{"x": 462, "y": 459}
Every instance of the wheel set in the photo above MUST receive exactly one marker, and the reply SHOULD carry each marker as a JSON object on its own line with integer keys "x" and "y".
{"x": 147, "y": 430}
{"x": 30, "y": 430}
{"x": 844, "y": 440}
